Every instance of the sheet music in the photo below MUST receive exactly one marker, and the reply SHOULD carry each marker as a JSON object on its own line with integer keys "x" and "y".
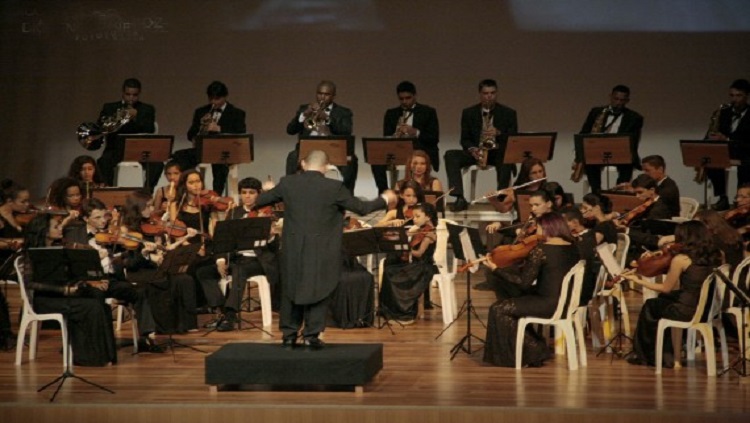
{"x": 609, "y": 261}
{"x": 469, "y": 252}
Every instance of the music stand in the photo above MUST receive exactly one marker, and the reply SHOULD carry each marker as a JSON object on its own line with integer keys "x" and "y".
{"x": 525, "y": 145}
{"x": 744, "y": 301}
{"x": 339, "y": 149}
{"x": 241, "y": 235}
{"x": 524, "y": 208}
{"x": 59, "y": 266}
{"x": 437, "y": 199}
{"x": 613, "y": 268}
{"x": 226, "y": 149}
{"x": 707, "y": 155}
{"x": 113, "y": 197}
{"x": 391, "y": 240}
{"x": 604, "y": 149}
{"x": 467, "y": 246}
{"x": 146, "y": 148}
{"x": 622, "y": 201}
{"x": 390, "y": 152}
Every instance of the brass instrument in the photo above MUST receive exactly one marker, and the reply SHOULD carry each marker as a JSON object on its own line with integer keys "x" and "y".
{"x": 206, "y": 121}
{"x": 91, "y": 135}
{"x": 402, "y": 124}
{"x": 317, "y": 119}
{"x": 578, "y": 167}
{"x": 713, "y": 127}
{"x": 486, "y": 141}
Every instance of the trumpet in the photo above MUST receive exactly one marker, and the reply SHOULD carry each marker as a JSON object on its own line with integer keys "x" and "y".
{"x": 91, "y": 135}
{"x": 317, "y": 119}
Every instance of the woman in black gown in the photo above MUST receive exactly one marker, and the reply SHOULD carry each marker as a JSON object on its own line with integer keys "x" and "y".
{"x": 679, "y": 293}
{"x": 547, "y": 263}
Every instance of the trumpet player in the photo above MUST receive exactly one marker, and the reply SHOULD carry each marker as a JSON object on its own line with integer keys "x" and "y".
{"x": 410, "y": 119}
{"x": 142, "y": 118}
{"x": 323, "y": 117}
{"x": 216, "y": 117}
{"x": 486, "y": 120}
{"x": 733, "y": 125}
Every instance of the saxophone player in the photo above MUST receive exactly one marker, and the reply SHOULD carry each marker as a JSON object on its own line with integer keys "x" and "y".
{"x": 488, "y": 119}
{"x": 142, "y": 118}
{"x": 733, "y": 125}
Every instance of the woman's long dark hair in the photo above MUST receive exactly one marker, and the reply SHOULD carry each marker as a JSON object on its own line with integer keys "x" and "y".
{"x": 698, "y": 243}
{"x": 418, "y": 191}
{"x": 75, "y": 168}
{"x": 135, "y": 203}
{"x": 719, "y": 226}
{"x": 35, "y": 235}
{"x": 430, "y": 211}
{"x": 182, "y": 185}
{"x": 58, "y": 191}
{"x": 524, "y": 175}
{"x": 554, "y": 225}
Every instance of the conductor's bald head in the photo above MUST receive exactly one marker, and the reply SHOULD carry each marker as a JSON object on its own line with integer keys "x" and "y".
{"x": 315, "y": 160}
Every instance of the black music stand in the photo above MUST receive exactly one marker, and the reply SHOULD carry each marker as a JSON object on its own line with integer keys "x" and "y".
{"x": 57, "y": 265}
{"x": 391, "y": 240}
{"x": 525, "y": 145}
{"x": 604, "y": 149}
{"x": 390, "y": 152}
{"x": 707, "y": 155}
{"x": 226, "y": 149}
{"x": 241, "y": 235}
{"x": 340, "y": 149}
{"x": 466, "y": 252}
{"x": 146, "y": 148}
{"x": 742, "y": 328}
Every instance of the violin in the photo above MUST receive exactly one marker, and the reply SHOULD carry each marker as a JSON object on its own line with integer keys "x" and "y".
{"x": 528, "y": 229}
{"x": 155, "y": 226}
{"x": 417, "y": 238}
{"x": 657, "y": 263}
{"x": 265, "y": 211}
{"x": 24, "y": 219}
{"x": 129, "y": 240}
{"x": 626, "y": 219}
{"x": 208, "y": 198}
{"x": 351, "y": 224}
{"x": 736, "y": 212}
{"x": 508, "y": 255}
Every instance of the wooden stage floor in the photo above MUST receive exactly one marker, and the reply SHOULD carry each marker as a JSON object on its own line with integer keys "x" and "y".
{"x": 419, "y": 382}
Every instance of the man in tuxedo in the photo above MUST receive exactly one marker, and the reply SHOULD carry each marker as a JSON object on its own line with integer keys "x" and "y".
{"x": 734, "y": 126}
{"x": 313, "y": 230}
{"x": 617, "y": 119}
{"x": 216, "y": 117}
{"x": 142, "y": 121}
{"x": 502, "y": 122}
{"x": 420, "y": 121}
{"x": 330, "y": 119}
{"x": 666, "y": 188}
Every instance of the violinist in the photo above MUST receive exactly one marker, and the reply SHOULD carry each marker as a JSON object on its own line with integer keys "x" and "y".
{"x": 739, "y": 217}
{"x": 518, "y": 296}
{"x": 65, "y": 194}
{"x": 188, "y": 207}
{"x": 404, "y": 282}
{"x": 85, "y": 171}
{"x": 410, "y": 193}
{"x": 14, "y": 200}
{"x": 241, "y": 265}
{"x": 652, "y": 208}
{"x": 586, "y": 240}
{"x": 166, "y": 195}
{"x": 419, "y": 170}
{"x": 666, "y": 188}
{"x": 540, "y": 203}
{"x": 679, "y": 292}
{"x": 594, "y": 209}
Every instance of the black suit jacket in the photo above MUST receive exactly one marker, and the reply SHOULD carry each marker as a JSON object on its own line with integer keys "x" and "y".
{"x": 232, "y": 120}
{"x": 669, "y": 194}
{"x": 740, "y": 136}
{"x": 504, "y": 119}
{"x": 143, "y": 123}
{"x": 631, "y": 123}
{"x": 425, "y": 119}
{"x": 340, "y": 121}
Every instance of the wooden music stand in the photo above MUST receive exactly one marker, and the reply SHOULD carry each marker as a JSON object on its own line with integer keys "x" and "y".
{"x": 338, "y": 148}
{"x": 622, "y": 201}
{"x": 388, "y": 151}
{"x": 113, "y": 197}
{"x": 520, "y": 147}
{"x": 228, "y": 149}
{"x": 145, "y": 148}
{"x": 432, "y": 198}
{"x": 708, "y": 155}
{"x": 604, "y": 149}
{"x": 524, "y": 209}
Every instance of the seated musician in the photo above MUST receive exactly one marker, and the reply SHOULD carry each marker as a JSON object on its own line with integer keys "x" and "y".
{"x": 644, "y": 187}
{"x": 243, "y": 264}
{"x": 518, "y": 296}
{"x": 679, "y": 293}
{"x": 404, "y": 281}
{"x": 410, "y": 193}
{"x": 586, "y": 240}
{"x": 595, "y": 209}
{"x": 739, "y": 217}
{"x": 666, "y": 188}
{"x": 532, "y": 169}
{"x": 85, "y": 171}
{"x": 14, "y": 200}
{"x": 419, "y": 170}
{"x": 165, "y": 195}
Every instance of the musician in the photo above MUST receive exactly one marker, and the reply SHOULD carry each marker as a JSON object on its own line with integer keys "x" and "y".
{"x": 313, "y": 228}
{"x": 404, "y": 281}
{"x": 666, "y": 188}
{"x": 418, "y": 170}
{"x": 142, "y": 121}
{"x": 519, "y": 296}
{"x": 733, "y": 125}
{"x": 419, "y": 121}
{"x": 741, "y": 213}
{"x": 65, "y": 194}
{"x": 540, "y": 202}
{"x": 86, "y": 172}
{"x": 486, "y": 119}
{"x": 165, "y": 195}
{"x": 594, "y": 209}
{"x": 532, "y": 169}
{"x": 679, "y": 292}
{"x": 644, "y": 187}
{"x": 216, "y": 117}
{"x": 14, "y": 199}
{"x": 617, "y": 119}
{"x": 410, "y": 194}
{"x": 188, "y": 206}
{"x": 586, "y": 241}
{"x": 334, "y": 119}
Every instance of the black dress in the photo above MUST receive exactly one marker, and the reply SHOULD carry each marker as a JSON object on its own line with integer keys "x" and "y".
{"x": 676, "y": 305}
{"x": 352, "y": 301}
{"x": 548, "y": 265}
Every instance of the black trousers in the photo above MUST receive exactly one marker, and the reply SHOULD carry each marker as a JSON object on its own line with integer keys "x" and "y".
{"x": 293, "y": 315}
{"x": 188, "y": 159}
{"x": 718, "y": 178}
{"x": 594, "y": 175}
{"x": 455, "y": 160}
{"x": 109, "y": 160}
{"x": 348, "y": 172}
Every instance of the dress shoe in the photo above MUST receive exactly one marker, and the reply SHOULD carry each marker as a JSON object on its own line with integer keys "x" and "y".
{"x": 722, "y": 204}
{"x": 211, "y": 324}
{"x": 459, "y": 205}
{"x": 289, "y": 343}
{"x": 314, "y": 343}
{"x": 635, "y": 360}
{"x": 147, "y": 344}
{"x": 227, "y": 324}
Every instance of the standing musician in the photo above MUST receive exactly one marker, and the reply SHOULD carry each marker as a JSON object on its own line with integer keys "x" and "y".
{"x": 313, "y": 229}
{"x": 418, "y": 170}
{"x": 484, "y": 123}
{"x": 85, "y": 170}
{"x": 413, "y": 120}
{"x": 732, "y": 124}
{"x": 323, "y": 118}
{"x": 216, "y": 117}
{"x": 614, "y": 118}
{"x": 142, "y": 118}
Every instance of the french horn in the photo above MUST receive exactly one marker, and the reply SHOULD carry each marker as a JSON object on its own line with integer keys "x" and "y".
{"x": 91, "y": 135}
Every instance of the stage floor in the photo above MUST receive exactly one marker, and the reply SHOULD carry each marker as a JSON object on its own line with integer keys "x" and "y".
{"x": 418, "y": 382}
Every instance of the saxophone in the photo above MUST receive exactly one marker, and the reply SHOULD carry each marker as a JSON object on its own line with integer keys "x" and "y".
{"x": 486, "y": 142}
{"x": 713, "y": 127}
{"x": 596, "y": 128}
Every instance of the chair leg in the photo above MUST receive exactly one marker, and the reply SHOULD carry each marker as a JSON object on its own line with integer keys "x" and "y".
{"x": 677, "y": 346}
{"x": 20, "y": 340}
{"x": 723, "y": 345}
{"x": 708, "y": 341}
{"x": 134, "y": 329}
{"x": 659, "y": 346}
{"x": 566, "y": 327}
{"x": 579, "y": 321}
{"x": 473, "y": 186}
{"x": 519, "y": 342}
{"x": 33, "y": 338}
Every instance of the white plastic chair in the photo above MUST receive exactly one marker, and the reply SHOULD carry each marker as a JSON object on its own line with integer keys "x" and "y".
{"x": 688, "y": 208}
{"x": 29, "y": 317}
{"x": 743, "y": 284}
{"x": 120, "y": 307}
{"x": 562, "y": 318}
{"x": 715, "y": 320}
{"x": 473, "y": 170}
{"x": 705, "y": 327}
{"x": 445, "y": 278}
{"x": 264, "y": 291}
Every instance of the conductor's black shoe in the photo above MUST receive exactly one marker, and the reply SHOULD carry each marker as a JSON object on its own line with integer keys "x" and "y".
{"x": 289, "y": 343}
{"x": 459, "y": 205}
{"x": 314, "y": 343}
{"x": 722, "y": 204}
